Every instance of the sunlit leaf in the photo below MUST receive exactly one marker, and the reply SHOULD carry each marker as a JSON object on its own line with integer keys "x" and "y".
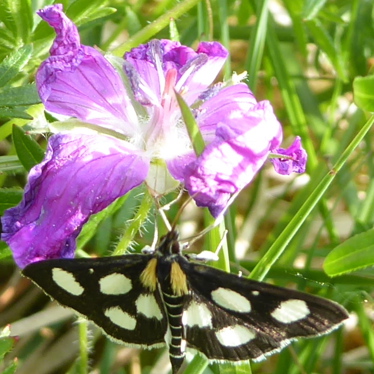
{"x": 28, "y": 150}
{"x": 14, "y": 63}
{"x": 355, "y": 253}
{"x": 363, "y": 89}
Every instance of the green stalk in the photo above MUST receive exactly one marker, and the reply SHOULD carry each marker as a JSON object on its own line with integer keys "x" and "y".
{"x": 257, "y": 43}
{"x": 135, "y": 225}
{"x": 153, "y": 28}
{"x": 280, "y": 244}
{"x": 83, "y": 346}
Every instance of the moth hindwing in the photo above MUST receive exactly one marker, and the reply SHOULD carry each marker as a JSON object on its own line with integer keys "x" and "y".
{"x": 161, "y": 298}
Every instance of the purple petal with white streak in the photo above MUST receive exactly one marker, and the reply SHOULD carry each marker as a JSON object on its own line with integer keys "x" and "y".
{"x": 228, "y": 106}
{"x": 230, "y": 162}
{"x": 80, "y": 175}
{"x": 148, "y": 64}
{"x": 78, "y": 81}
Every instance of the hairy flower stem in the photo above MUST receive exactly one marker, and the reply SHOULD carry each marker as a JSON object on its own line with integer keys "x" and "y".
{"x": 135, "y": 225}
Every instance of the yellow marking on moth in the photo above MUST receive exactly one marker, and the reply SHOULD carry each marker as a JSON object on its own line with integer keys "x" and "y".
{"x": 148, "y": 276}
{"x": 178, "y": 280}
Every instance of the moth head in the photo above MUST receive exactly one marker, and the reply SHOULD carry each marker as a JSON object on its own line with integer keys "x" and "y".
{"x": 169, "y": 244}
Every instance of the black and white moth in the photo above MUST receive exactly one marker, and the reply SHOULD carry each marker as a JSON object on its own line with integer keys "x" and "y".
{"x": 161, "y": 298}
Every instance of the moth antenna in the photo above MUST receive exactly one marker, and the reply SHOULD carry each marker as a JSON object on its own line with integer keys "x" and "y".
{"x": 155, "y": 238}
{"x": 220, "y": 244}
{"x": 180, "y": 211}
{"x": 217, "y": 221}
{"x": 162, "y": 214}
{"x": 161, "y": 209}
{"x": 168, "y": 205}
{"x": 165, "y": 220}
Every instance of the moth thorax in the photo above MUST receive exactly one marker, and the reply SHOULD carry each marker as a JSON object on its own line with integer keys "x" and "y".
{"x": 148, "y": 277}
{"x": 178, "y": 281}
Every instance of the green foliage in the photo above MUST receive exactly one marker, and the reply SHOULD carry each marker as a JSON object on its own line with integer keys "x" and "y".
{"x": 355, "y": 253}
{"x": 28, "y": 150}
{"x": 9, "y": 198}
{"x": 17, "y": 18}
{"x": 191, "y": 125}
{"x": 14, "y": 63}
{"x": 87, "y": 11}
{"x": 315, "y": 66}
{"x": 6, "y": 345}
{"x": 363, "y": 88}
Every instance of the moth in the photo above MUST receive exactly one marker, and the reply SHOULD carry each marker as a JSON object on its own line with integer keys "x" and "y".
{"x": 162, "y": 298}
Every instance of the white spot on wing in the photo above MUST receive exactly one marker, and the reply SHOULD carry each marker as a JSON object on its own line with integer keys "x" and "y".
{"x": 291, "y": 311}
{"x": 197, "y": 314}
{"x": 233, "y": 336}
{"x": 120, "y": 318}
{"x": 146, "y": 304}
{"x": 67, "y": 281}
{"x": 115, "y": 284}
{"x": 231, "y": 300}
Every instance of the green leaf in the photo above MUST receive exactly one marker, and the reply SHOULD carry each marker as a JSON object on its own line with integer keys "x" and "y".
{"x": 11, "y": 369}
{"x": 28, "y": 150}
{"x": 14, "y": 63}
{"x": 17, "y": 18}
{"x": 327, "y": 45}
{"x": 6, "y": 344}
{"x": 173, "y": 31}
{"x": 133, "y": 21}
{"x": 83, "y": 11}
{"x": 5, "y": 251}
{"x": 355, "y": 253}
{"x": 7, "y": 41}
{"x": 10, "y": 164}
{"x": 227, "y": 368}
{"x": 363, "y": 91}
{"x": 90, "y": 228}
{"x": 15, "y": 96}
{"x": 191, "y": 125}
{"x": 9, "y": 198}
{"x": 99, "y": 12}
{"x": 14, "y": 112}
{"x": 311, "y": 8}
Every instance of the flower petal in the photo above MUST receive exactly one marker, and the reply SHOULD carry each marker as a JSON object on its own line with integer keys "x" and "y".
{"x": 148, "y": 65}
{"x": 230, "y": 162}
{"x": 78, "y": 81}
{"x": 177, "y": 166}
{"x": 80, "y": 176}
{"x": 295, "y": 164}
{"x": 205, "y": 68}
{"x": 227, "y": 106}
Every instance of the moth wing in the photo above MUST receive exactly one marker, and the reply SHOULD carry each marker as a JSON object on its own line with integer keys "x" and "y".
{"x": 108, "y": 292}
{"x": 230, "y": 318}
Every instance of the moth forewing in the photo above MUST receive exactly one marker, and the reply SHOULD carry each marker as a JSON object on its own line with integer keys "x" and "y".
{"x": 250, "y": 319}
{"x": 107, "y": 291}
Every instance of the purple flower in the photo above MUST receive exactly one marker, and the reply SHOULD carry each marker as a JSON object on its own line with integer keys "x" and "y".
{"x": 128, "y": 129}
{"x": 295, "y": 161}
